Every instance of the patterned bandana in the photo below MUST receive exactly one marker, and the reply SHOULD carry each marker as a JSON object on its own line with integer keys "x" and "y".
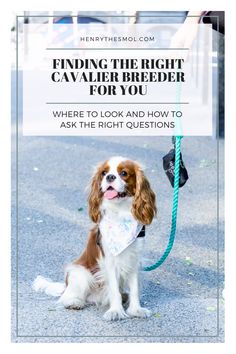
{"x": 119, "y": 232}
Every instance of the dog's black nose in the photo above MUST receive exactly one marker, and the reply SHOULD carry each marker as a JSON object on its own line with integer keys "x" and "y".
{"x": 110, "y": 178}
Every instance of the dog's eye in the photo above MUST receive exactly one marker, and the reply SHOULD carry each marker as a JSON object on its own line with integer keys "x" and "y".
{"x": 104, "y": 173}
{"x": 123, "y": 173}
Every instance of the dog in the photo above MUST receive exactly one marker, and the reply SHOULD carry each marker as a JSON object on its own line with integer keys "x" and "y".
{"x": 120, "y": 202}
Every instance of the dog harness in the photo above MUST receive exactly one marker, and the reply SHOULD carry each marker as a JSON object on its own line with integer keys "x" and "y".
{"x": 119, "y": 233}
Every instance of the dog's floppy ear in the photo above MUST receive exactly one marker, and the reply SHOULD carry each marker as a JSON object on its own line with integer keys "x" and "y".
{"x": 95, "y": 197}
{"x": 144, "y": 203}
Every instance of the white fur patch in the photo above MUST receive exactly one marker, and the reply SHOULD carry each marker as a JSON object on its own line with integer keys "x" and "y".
{"x": 47, "y": 286}
{"x": 114, "y": 161}
{"x": 80, "y": 283}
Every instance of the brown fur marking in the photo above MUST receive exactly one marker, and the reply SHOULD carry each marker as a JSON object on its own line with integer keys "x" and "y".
{"x": 92, "y": 252}
{"x": 144, "y": 204}
{"x": 95, "y": 195}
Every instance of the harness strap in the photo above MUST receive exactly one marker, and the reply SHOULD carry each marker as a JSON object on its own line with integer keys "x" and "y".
{"x": 142, "y": 232}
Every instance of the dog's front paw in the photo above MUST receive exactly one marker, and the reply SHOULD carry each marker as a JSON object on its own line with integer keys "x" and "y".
{"x": 72, "y": 303}
{"x": 114, "y": 314}
{"x": 138, "y": 312}
{"x": 75, "y": 305}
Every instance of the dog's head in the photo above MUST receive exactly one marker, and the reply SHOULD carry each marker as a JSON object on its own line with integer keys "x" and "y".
{"x": 117, "y": 180}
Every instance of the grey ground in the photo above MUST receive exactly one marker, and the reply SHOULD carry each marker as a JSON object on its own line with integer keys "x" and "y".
{"x": 53, "y": 226}
{"x": 185, "y": 293}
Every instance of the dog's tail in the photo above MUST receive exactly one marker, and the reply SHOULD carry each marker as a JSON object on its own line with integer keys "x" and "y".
{"x": 47, "y": 286}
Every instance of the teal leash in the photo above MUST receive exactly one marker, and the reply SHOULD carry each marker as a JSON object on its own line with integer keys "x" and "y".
{"x": 174, "y": 209}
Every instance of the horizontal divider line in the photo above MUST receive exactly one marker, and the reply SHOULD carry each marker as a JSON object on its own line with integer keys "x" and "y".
{"x": 117, "y": 48}
{"x": 117, "y": 102}
{"x": 68, "y": 15}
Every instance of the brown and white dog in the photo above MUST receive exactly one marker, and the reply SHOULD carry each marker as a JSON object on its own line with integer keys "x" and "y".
{"x": 121, "y": 202}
